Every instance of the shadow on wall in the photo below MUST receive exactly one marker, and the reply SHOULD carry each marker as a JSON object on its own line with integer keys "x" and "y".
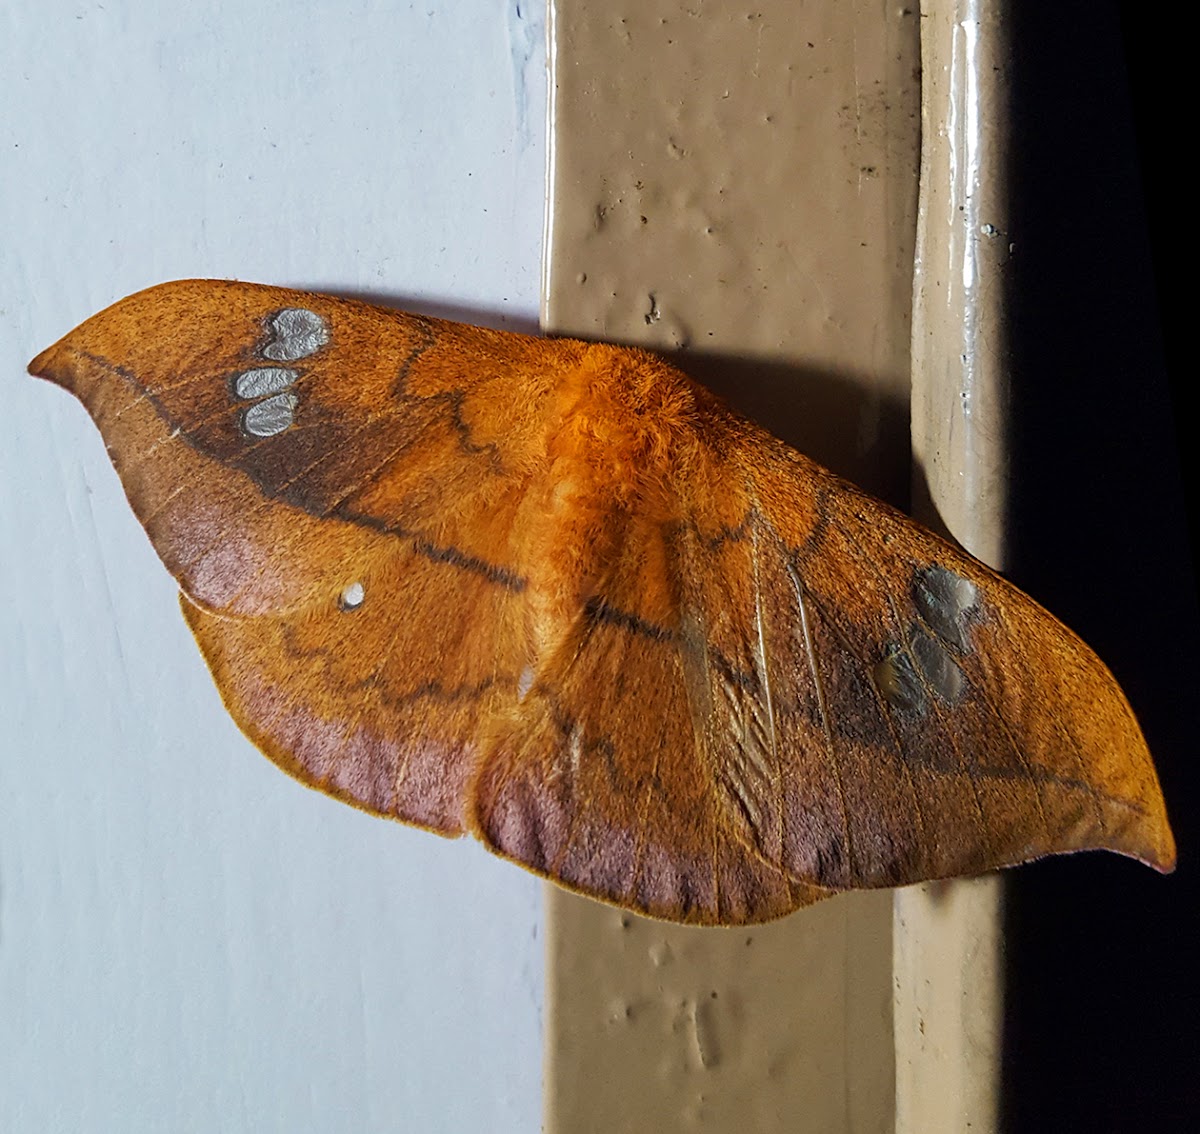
{"x": 836, "y": 419}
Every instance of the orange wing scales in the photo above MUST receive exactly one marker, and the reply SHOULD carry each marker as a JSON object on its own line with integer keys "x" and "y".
{"x": 556, "y": 594}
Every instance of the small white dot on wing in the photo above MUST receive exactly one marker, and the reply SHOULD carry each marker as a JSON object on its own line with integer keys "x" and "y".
{"x": 525, "y": 682}
{"x": 352, "y": 596}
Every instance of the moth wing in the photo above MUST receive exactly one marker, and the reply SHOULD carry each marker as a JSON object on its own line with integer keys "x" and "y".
{"x": 825, "y": 696}
{"x": 775, "y": 688}
{"x": 969, "y": 728}
{"x": 605, "y": 776}
{"x": 331, "y": 485}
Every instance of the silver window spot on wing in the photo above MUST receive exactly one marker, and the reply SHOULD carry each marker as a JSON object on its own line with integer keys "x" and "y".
{"x": 941, "y": 672}
{"x": 946, "y": 602}
{"x": 908, "y": 673}
{"x": 266, "y": 418}
{"x": 263, "y": 380}
{"x": 295, "y": 333}
{"x": 898, "y": 682}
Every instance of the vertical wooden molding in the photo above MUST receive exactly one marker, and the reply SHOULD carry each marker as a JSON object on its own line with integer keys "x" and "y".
{"x": 959, "y": 360}
{"x": 739, "y": 184}
{"x": 948, "y": 936}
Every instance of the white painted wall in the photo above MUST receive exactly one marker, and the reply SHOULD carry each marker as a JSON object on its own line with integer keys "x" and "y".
{"x": 189, "y": 940}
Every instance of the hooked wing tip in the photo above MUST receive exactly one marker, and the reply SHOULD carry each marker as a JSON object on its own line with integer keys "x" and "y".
{"x": 1151, "y": 843}
{"x": 47, "y": 365}
{"x": 66, "y": 362}
{"x": 1159, "y": 839}
{"x": 63, "y": 364}
{"x": 1164, "y": 858}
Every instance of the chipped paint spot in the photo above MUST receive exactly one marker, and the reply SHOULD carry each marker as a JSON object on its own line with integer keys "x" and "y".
{"x": 620, "y": 1011}
{"x": 703, "y": 1021}
{"x": 265, "y": 419}
{"x": 296, "y": 333}
{"x": 352, "y": 597}
{"x": 263, "y": 380}
{"x": 945, "y": 600}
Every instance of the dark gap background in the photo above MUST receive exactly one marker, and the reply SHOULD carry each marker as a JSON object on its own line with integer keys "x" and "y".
{"x": 1103, "y": 996}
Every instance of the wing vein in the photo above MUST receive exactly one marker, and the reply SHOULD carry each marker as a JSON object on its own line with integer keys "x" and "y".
{"x": 822, "y": 708}
{"x": 768, "y": 697}
{"x": 1072, "y": 743}
{"x": 884, "y": 715}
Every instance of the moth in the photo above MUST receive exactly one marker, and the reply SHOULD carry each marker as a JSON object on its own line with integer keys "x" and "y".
{"x": 559, "y": 596}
